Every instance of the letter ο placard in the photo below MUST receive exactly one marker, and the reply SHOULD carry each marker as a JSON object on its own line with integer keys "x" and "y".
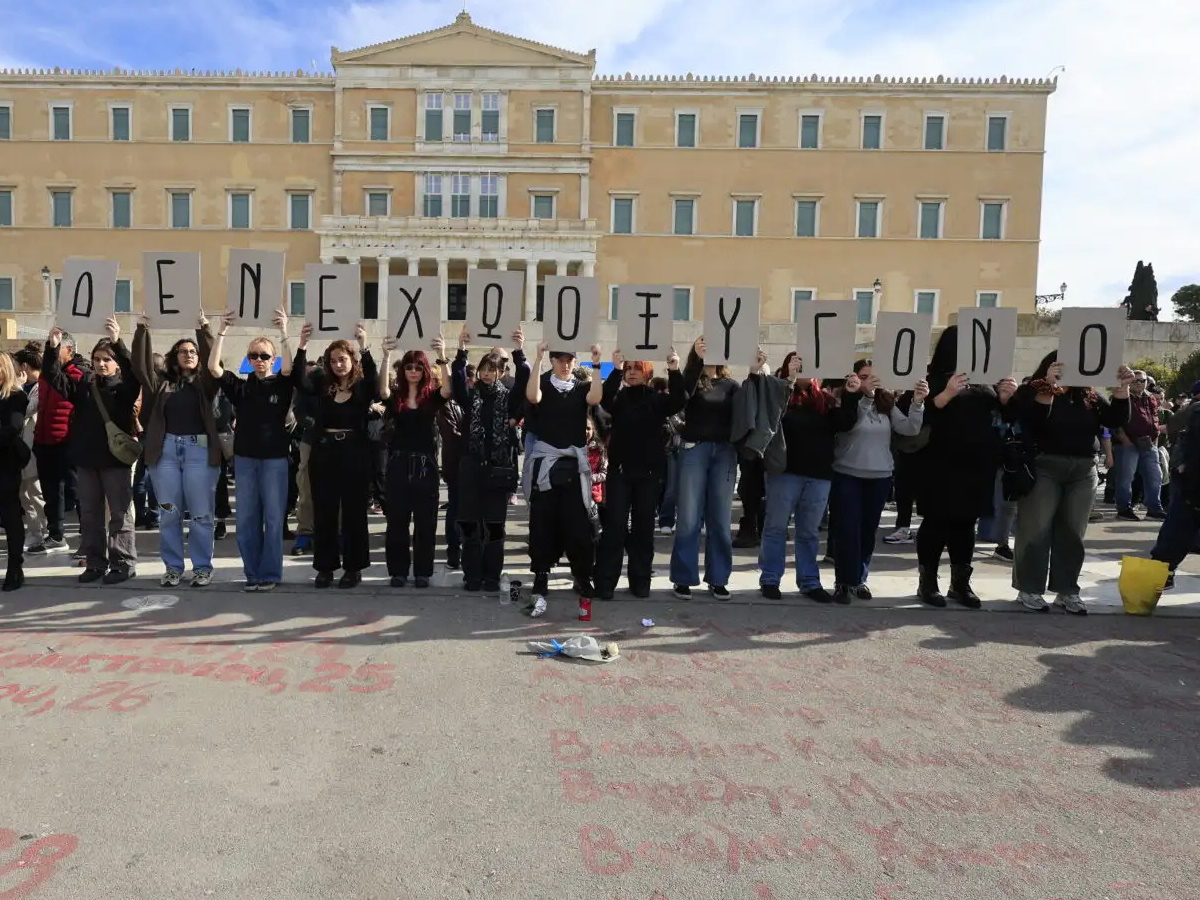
{"x": 87, "y": 296}
{"x": 569, "y": 313}
{"x": 1091, "y": 346}
{"x": 901, "y": 357}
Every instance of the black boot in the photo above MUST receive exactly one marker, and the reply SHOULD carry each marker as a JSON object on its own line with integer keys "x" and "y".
{"x": 960, "y": 587}
{"x": 14, "y": 578}
{"x": 927, "y": 590}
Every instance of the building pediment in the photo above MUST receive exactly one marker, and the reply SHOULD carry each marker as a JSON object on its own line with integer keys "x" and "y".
{"x": 462, "y": 43}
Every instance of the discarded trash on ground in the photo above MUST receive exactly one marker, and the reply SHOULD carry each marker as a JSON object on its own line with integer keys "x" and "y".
{"x": 581, "y": 646}
{"x": 647, "y": 623}
{"x": 150, "y": 601}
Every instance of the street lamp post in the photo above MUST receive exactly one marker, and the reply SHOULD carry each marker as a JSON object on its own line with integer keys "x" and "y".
{"x": 46, "y": 306}
{"x": 1061, "y": 296}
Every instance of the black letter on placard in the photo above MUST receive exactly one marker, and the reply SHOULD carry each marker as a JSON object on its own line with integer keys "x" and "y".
{"x": 578, "y": 303}
{"x": 981, "y": 328}
{"x": 488, "y": 326}
{"x": 322, "y": 309}
{"x": 255, "y": 273}
{"x": 163, "y": 298}
{"x": 412, "y": 313}
{"x": 730, "y": 323}
{"x": 817, "y": 337}
{"x": 90, "y": 296}
{"x": 647, "y": 315}
{"x": 912, "y": 352}
{"x": 1083, "y": 368}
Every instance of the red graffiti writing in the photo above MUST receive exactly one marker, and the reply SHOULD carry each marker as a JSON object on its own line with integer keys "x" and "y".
{"x": 38, "y": 860}
{"x": 574, "y": 705}
{"x": 569, "y": 747}
{"x": 121, "y": 697}
{"x": 687, "y": 798}
{"x": 893, "y": 847}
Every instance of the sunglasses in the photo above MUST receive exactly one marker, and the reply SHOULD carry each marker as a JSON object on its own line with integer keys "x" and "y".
{"x": 414, "y": 367}
{"x": 1139, "y": 381}
{"x": 262, "y": 357}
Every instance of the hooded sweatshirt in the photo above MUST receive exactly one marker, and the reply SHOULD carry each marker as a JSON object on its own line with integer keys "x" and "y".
{"x": 864, "y": 450}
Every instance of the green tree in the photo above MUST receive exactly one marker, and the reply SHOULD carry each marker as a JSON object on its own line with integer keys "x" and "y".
{"x": 1187, "y": 303}
{"x": 1163, "y": 374}
{"x": 1189, "y": 374}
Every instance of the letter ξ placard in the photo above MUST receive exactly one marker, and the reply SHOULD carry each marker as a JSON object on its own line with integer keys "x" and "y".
{"x": 1091, "y": 346}
{"x": 570, "y": 312}
{"x": 825, "y": 333}
{"x": 87, "y": 296}
{"x": 987, "y": 343}
{"x": 256, "y": 285}
{"x": 171, "y": 289}
{"x": 414, "y": 311}
{"x": 730, "y": 325}
{"x": 332, "y": 292}
{"x": 495, "y": 305}
{"x": 901, "y": 357}
{"x": 644, "y": 315}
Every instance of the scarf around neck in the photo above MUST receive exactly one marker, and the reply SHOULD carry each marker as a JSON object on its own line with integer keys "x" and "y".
{"x": 488, "y": 438}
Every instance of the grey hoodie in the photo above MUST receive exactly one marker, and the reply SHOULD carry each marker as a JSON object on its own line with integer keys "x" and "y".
{"x": 865, "y": 451}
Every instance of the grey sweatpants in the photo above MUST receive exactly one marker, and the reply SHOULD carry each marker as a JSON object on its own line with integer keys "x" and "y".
{"x": 112, "y": 545}
{"x": 1052, "y": 520}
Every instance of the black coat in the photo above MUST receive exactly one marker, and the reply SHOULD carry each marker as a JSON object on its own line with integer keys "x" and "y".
{"x": 87, "y": 440}
{"x": 956, "y": 471}
{"x": 12, "y": 423}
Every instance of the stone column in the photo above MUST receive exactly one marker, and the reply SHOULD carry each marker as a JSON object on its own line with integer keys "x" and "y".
{"x": 587, "y": 268}
{"x": 584, "y": 196}
{"x": 531, "y": 277}
{"x": 384, "y": 262}
{"x": 561, "y": 267}
{"x": 443, "y": 266}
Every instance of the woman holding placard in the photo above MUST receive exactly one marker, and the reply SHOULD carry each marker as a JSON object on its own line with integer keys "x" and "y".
{"x": 15, "y": 455}
{"x": 1063, "y": 424}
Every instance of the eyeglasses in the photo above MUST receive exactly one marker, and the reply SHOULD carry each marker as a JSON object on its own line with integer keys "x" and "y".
{"x": 188, "y": 351}
{"x": 263, "y": 357}
{"x": 1139, "y": 381}
{"x": 414, "y": 367}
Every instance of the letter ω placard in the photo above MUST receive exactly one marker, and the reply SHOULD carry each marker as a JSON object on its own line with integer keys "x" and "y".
{"x": 730, "y": 325}
{"x": 987, "y": 343}
{"x": 825, "y": 332}
{"x": 901, "y": 356}
{"x": 495, "y": 304}
{"x": 87, "y": 296}
{"x": 570, "y": 311}
{"x": 255, "y": 285}
{"x": 332, "y": 293}
{"x": 644, "y": 328}
{"x": 414, "y": 310}
{"x": 1091, "y": 346}
{"x": 171, "y": 289}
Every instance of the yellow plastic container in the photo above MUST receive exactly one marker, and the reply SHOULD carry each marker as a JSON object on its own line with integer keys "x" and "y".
{"x": 1141, "y": 584}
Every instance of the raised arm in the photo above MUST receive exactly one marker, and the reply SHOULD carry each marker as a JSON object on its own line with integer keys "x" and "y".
{"x": 910, "y": 425}
{"x": 458, "y": 379}
{"x": 612, "y": 384}
{"x": 143, "y": 356}
{"x": 214, "y": 357}
{"x": 533, "y": 388}
{"x": 517, "y": 396}
{"x": 385, "y": 369}
{"x": 596, "y": 389}
{"x": 54, "y": 373}
{"x": 204, "y": 341}
{"x": 285, "y": 342}
{"x": 443, "y": 364}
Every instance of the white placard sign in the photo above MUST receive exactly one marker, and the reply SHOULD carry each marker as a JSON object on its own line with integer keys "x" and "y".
{"x": 825, "y": 335}
{"x": 987, "y": 343}
{"x": 644, "y": 315}
{"x": 1091, "y": 346}
{"x": 87, "y": 296}
{"x": 730, "y": 325}
{"x": 256, "y": 285}
{"x": 901, "y": 356}
{"x": 332, "y": 292}
{"x": 414, "y": 310}
{"x": 171, "y": 289}
{"x": 495, "y": 305}
{"x": 570, "y": 312}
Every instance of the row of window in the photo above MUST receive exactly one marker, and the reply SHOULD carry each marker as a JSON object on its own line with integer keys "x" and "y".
{"x": 179, "y": 122}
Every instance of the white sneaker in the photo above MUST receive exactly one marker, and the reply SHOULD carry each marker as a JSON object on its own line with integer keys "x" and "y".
{"x": 899, "y": 536}
{"x": 539, "y": 608}
{"x": 265, "y": 587}
{"x": 201, "y": 579}
{"x": 1072, "y": 603}
{"x": 170, "y": 579}
{"x": 1035, "y": 602}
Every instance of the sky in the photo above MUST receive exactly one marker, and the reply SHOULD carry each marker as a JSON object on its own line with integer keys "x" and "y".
{"x": 1122, "y": 179}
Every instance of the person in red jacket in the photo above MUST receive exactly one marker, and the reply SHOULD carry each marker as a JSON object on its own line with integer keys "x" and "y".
{"x": 54, "y": 469}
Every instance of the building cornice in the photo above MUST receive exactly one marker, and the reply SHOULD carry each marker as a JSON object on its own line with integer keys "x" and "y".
{"x": 160, "y": 77}
{"x": 850, "y": 83}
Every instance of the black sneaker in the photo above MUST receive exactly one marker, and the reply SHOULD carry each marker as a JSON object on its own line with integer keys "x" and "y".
{"x": 420, "y": 583}
{"x": 819, "y": 595}
{"x": 682, "y": 591}
{"x": 350, "y": 578}
{"x": 36, "y": 550}
{"x": 1158, "y": 516}
{"x": 453, "y": 563}
{"x": 1004, "y": 553}
{"x": 323, "y": 579}
{"x": 719, "y": 592}
{"x": 1170, "y": 585}
{"x": 118, "y": 574}
{"x": 399, "y": 581}
{"x": 87, "y": 576}
{"x": 472, "y": 587}
{"x": 1128, "y": 515}
{"x": 302, "y": 546}
{"x": 641, "y": 591}
{"x": 862, "y": 592}
{"x": 490, "y": 587}
{"x": 843, "y": 595}
{"x": 604, "y": 593}
{"x": 770, "y": 591}
{"x": 219, "y": 531}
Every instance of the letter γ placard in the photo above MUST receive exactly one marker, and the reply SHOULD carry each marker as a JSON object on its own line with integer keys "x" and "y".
{"x": 825, "y": 331}
{"x": 731, "y": 318}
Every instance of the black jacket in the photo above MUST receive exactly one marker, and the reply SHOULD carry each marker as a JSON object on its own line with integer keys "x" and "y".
{"x": 635, "y": 442}
{"x": 12, "y": 423}
{"x": 87, "y": 442}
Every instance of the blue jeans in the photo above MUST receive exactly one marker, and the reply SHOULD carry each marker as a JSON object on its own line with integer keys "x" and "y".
{"x": 707, "y": 473}
{"x": 1130, "y": 460}
{"x": 666, "y": 506}
{"x": 1179, "y": 532}
{"x": 998, "y": 527}
{"x": 857, "y": 505}
{"x": 262, "y": 491}
{"x": 183, "y": 479}
{"x": 806, "y": 499}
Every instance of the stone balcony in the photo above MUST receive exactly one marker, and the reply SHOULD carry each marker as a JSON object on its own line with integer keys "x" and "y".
{"x": 401, "y": 236}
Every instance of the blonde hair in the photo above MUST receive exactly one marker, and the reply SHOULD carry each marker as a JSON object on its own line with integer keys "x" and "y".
{"x": 8, "y": 377}
{"x": 259, "y": 341}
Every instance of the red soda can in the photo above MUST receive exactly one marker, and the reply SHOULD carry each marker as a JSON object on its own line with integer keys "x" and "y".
{"x": 585, "y": 609}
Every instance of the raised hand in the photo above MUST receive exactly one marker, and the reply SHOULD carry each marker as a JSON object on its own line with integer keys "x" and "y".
{"x": 871, "y": 385}
{"x": 1005, "y": 389}
{"x": 280, "y": 321}
{"x": 464, "y": 338}
{"x": 618, "y": 359}
{"x": 1055, "y": 373}
{"x": 55, "y": 337}
{"x": 699, "y": 346}
{"x": 112, "y": 329}
{"x": 144, "y": 321}
{"x": 760, "y": 359}
{"x": 672, "y": 360}
{"x": 389, "y": 344}
{"x": 853, "y": 384}
{"x": 360, "y": 335}
{"x": 306, "y": 331}
{"x": 541, "y": 349}
{"x": 795, "y": 366}
{"x": 227, "y": 318}
{"x": 519, "y": 339}
{"x": 202, "y": 322}
{"x": 921, "y": 391}
{"x": 439, "y": 347}
{"x": 596, "y": 356}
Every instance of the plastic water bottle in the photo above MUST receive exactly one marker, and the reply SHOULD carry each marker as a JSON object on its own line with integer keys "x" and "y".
{"x": 505, "y": 585}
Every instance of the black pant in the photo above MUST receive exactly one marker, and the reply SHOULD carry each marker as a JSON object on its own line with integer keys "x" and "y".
{"x": 904, "y": 485}
{"x": 379, "y": 474}
{"x": 338, "y": 474}
{"x": 412, "y": 499}
{"x": 55, "y": 475}
{"x": 936, "y": 535}
{"x": 453, "y": 537}
{"x": 482, "y": 513}
{"x": 558, "y": 519}
{"x": 629, "y": 515}
{"x": 12, "y": 518}
{"x": 752, "y": 491}
{"x": 221, "y": 510}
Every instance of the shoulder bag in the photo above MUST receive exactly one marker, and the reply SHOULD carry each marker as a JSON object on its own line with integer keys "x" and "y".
{"x": 122, "y": 446}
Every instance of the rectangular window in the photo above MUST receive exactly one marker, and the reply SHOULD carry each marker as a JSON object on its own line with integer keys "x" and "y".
{"x": 6, "y": 209}
{"x": 988, "y": 299}
{"x": 872, "y": 132}
{"x": 301, "y": 126}
{"x": 926, "y": 303}
{"x": 5, "y": 123}
{"x": 543, "y": 206}
{"x": 181, "y": 209}
{"x": 433, "y": 117}
{"x": 120, "y": 123}
{"x": 685, "y": 129}
{"x": 997, "y": 133}
{"x": 935, "y": 132}
{"x": 864, "y": 307}
{"x": 930, "y": 225}
{"x": 377, "y": 203}
{"x": 748, "y": 130}
{"x": 545, "y": 126}
{"x": 239, "y": 126}
{"x": 806, "y": 218}
{"x": 7, "y": 295}
{"x": 682, "y": 308}
{"x": 462, "y": 117}
{"x": 801, "y": 296}
{"x": 612, "y": 301}
{"x": 456, "y": 302}
{"x": 122, "y": 209}
{"x": 123, "y": 296}
{"x": 300, "y": 212}
{"x": 685, "y": 216}
{"x": 810, "y": 132}
{"x": 379, "y": 116}
{"x": 61, "y": 123}
{"x": 992, "y": 222}
{"x": 868, "y": 218}
{"x": 489, "y": 196}
{"x": 489, "y": 119}
{"x": 296, "y": 298}
{"x": 181, "y": 124}
{"x": 432, "y": 203}
{"x": 460, "y": 196}
{"x": 622, "y": 215}
{"x": 60, "y": 202}
{"x": 743, "y": 217}
{"x": 239, "y": 210}
{"x": 626, "y": 123}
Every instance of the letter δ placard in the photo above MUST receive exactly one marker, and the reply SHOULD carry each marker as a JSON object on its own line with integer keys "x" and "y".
{"x": 495, "y": 304}
{"x": 171, "y": 289}
{"x": 730, "y": 325}
{"x": 644, "y": 314}
{"x": 901, "y": 357}
{"x": 87, "y": 296}
{"x": 1091, "y": 346}
{"x": 256, "y": 285}
{"x": 570, "y": 311}
{"x": 332, "y": 293}
{"x": 825, "y": 334}
{"x": 414, "y": 310}
{"x": 987, "y": 343}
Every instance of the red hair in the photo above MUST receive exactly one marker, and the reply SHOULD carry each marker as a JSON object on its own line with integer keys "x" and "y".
{"x": 425, "y": 386}
{"x": 812, "y": 397}
{"x": 641, "y": 365}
